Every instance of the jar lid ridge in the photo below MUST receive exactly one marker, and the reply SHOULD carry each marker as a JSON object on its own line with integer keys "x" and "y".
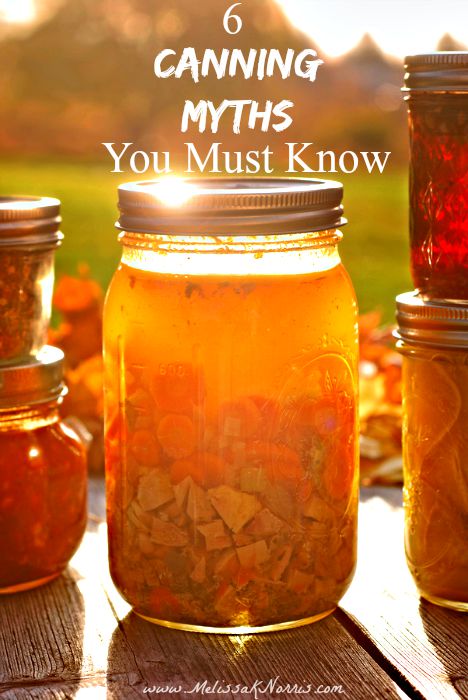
{"x": 435, "y": 323}
{"x": 26, "y": 220}
{"x": 33, "y": 382}
{"x": 440, "y": 71}
{"x": 235, "y": 206}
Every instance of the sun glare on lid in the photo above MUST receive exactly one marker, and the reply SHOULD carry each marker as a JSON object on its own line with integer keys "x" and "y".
{"x": 173, "y": 191}
{"x": 19, "y": 205}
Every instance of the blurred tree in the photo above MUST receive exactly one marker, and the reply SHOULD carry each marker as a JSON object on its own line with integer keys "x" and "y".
{"x": 85, "y": 75}
{"x": 448, "y": 43}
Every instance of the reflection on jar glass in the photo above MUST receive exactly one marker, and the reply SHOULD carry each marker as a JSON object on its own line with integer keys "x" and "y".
{"x": 433, "y": 338}
{"x": 231, "y": 431}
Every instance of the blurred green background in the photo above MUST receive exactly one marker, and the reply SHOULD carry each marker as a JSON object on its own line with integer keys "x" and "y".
{"x": 374, "y": 247}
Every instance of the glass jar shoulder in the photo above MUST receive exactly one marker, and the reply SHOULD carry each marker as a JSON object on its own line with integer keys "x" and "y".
{"x": 131, "y": 277}
{"x": 143, "y": 298}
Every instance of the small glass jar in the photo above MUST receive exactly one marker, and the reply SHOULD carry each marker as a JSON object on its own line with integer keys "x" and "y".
{"x": 433, "y": 338}
{"x": 436, "y": 87}
{"x": 230, "y": 348}
{"x": 43, "y": 475}
{"x": 29, "y": 236}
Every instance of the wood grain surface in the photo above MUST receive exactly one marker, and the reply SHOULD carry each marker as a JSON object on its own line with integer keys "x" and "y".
{"x": 76, "y": 638}
{"x": 425, "y": 644}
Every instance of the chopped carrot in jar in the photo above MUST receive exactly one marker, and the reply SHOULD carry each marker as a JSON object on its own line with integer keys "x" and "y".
{"x": 176, "y": 435}
{"x": 145, "y": 448}
{"x": 204, "y": 468}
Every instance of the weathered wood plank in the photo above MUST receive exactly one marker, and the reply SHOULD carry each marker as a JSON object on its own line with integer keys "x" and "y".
{"x": 67, "y": 692}
{"x": 323, "y": 654}
{"x": 424, "y": 643}
{"x": 60, "y": 633}
{"x": 41, "y": 633}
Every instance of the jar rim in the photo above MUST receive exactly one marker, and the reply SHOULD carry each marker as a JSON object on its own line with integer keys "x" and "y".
{"x": 432, "y": 323}
{"x": 230, "y": 206}
{"x": 29, "y": 220}
{"x": 37, "y": 381}
{"x": 437, "y": 72}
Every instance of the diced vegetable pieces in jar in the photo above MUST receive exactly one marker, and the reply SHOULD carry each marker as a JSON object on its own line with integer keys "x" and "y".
{"x": 234, "y": 507}
{"x": 154, "y": 490}
{"x": 239, "y": 419}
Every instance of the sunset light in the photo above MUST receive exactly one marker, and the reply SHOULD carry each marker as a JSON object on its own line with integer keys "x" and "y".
{"x": 17, "y": 11}
{"x": 338, "y": 25}
{"x": 173, "y": 191}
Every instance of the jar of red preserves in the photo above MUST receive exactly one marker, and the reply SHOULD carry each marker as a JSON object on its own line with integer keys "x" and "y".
{"x": 433, "y": 337}
{"x": 29, "y": 235}
{"x": 43, "y": 475}
{"x": 230, "y": 349}
{"x": 436, "y": 87}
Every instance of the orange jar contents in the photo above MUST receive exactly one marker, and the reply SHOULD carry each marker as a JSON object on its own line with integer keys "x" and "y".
{"x": 231, "y": 431}
{"x": 42, "y": 475}
{"x": 433, "y": 337}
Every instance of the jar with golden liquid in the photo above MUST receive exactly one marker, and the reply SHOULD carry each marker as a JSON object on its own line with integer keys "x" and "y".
{"x": 231, "y": 404}
{"x": 433, "y": 338}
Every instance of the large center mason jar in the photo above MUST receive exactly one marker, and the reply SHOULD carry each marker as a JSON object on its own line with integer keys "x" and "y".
{"x": 231, "y": 419}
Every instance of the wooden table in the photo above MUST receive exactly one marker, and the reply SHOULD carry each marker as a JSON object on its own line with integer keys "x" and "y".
{"x": 76, "y": 638}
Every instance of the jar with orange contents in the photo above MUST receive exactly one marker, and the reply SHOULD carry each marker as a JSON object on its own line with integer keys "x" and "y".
{"x": 230, "y": 348}
{"x": 433, "y": 337}
{"x": 43, "y": 475}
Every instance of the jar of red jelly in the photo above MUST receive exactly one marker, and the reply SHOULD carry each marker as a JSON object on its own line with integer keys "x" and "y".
{"x": 230, "y": 345}
{"x": 436, "y": 87}
{"x": 43, "y": 475}
{"x": 433, "y": 338}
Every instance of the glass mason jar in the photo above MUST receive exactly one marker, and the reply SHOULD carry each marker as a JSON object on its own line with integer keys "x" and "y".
{"x": 29, "y": 236}
{"x": 436, "y": 87}
{"x": 230, "y": 343}
{"x": 433, "y": 338}
{"x": 43, "y": 475}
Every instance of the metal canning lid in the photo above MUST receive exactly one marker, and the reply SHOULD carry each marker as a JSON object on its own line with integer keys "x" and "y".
{"x": 29, "y": 221}
{"x": 36, "y": 381}
{"x": 440, "y": 324}
{"x": 236, "y": 206}
{"x": 442, "y": 71}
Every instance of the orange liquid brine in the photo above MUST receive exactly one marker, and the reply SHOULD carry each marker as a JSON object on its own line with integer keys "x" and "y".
{"x": 231, "y": 444}
{"x": 436, "y": 478}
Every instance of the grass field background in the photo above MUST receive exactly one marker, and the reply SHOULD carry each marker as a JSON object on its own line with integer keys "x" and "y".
{"x": 374, "y": 249}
